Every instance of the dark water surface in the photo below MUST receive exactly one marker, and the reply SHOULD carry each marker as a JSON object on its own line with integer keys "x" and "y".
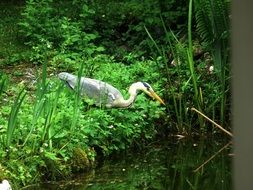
{"x": 166, "y": 166}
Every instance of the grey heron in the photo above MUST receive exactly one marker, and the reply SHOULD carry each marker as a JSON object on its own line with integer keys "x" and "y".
{"x": 105, "y": 94}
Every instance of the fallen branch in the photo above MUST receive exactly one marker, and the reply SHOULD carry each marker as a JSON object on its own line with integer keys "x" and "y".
{"x": 217, "y": 125}
{"x": 208, "y": 160}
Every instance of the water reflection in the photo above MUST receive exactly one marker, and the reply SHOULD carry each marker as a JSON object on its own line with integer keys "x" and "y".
{"x": 161, "y": 166}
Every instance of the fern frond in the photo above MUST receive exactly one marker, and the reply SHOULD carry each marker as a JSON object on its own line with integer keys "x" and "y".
{"x": 212, "y": 19}
{"x": 204, "y": 25}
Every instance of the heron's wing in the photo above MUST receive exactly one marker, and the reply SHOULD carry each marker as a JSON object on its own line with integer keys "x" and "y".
{"x": 101, "y": 92}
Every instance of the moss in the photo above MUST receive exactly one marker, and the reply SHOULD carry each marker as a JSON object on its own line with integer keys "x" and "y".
{"x": 80, "y": 161}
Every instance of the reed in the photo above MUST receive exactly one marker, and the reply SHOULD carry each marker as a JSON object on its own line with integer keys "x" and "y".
{"x": 187, "y": 81}
{"x": 12, "y": 121}
{"x": 40, "y": 100}
{"x": 197, "y": 90}
{"x": 2, "y": 84}
{"x": 49, "y": 115}
{"x": 212, "y": 21}
{"x": 77, "y": 100}
{"x": 177, "y": 106}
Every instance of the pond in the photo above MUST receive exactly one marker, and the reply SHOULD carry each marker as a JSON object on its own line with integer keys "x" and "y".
{"x": 168, "y": 165}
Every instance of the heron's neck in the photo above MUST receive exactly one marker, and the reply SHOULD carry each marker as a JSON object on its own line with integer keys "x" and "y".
{"x": 128, "y": 102}
{"x": 133, "y": 93}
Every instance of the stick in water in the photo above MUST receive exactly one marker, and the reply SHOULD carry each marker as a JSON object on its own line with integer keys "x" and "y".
{"x": 217, "y": 125}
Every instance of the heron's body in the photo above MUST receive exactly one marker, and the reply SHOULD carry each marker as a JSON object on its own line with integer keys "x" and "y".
{"x": 103, "y": 93}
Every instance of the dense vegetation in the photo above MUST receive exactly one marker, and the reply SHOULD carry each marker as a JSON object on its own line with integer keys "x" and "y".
{"x": 47, "y": 131}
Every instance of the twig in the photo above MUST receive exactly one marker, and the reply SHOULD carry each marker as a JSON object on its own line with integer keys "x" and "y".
{"x": 212, "y": 156}
{"x": 217, "y": 125}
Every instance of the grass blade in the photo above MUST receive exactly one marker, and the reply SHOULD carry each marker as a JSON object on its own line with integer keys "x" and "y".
{"x": 2, "y": 85}
{"x": 13, "y": 117}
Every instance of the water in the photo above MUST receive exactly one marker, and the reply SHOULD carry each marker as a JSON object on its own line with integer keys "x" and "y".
{"x": 165, "y": 166}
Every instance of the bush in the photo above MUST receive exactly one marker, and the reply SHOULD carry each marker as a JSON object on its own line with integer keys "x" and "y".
{"x": 52, "y": 31}
{"x": 118, "y": 26}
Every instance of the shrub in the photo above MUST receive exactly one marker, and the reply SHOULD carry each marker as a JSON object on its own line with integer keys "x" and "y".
{"x": 54, "y": 32}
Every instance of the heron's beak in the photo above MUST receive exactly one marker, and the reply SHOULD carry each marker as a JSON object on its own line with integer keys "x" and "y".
{"x": 155, "y": 96}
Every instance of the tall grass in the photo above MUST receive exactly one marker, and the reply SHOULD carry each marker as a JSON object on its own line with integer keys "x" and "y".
{"x": 50, "y": 112}
{"x": 197, "y": 89}
{"x": 187, "y": 91}
{"x": 44, "y": 107}
{"x": 77, "y": 101}
{"x": 40, "y": 100}
{"x": 12, "y": 121}
{"x": 182, "y": 55}
{"x": 177, "y": 106}
{"x": 212, "y": 20}
{"x": 2, "y": 84}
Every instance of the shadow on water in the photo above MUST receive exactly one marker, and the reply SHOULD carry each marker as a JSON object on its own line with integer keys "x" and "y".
{"x": 162, "y": 166}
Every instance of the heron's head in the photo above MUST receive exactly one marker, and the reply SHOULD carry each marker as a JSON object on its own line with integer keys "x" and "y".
{"x": 68, "y": 78}
{"x": 65, "y": 76}
{"x": 145, "y": 87}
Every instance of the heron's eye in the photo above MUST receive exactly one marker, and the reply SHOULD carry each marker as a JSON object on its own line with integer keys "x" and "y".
{"x": 146, "y": 85}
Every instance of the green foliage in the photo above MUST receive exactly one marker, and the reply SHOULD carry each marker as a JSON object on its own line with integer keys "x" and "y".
{"x": 185, "y": 76}
{"x": 120, "y": 24}
{"x": 64, "y": 28}
{"x": 49, "y": 29}
{"x": 212, "y": 19}
{"x": 38, "y": 21}
{"x": 11, "y": 48}
{"x": 104, "y": 128}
